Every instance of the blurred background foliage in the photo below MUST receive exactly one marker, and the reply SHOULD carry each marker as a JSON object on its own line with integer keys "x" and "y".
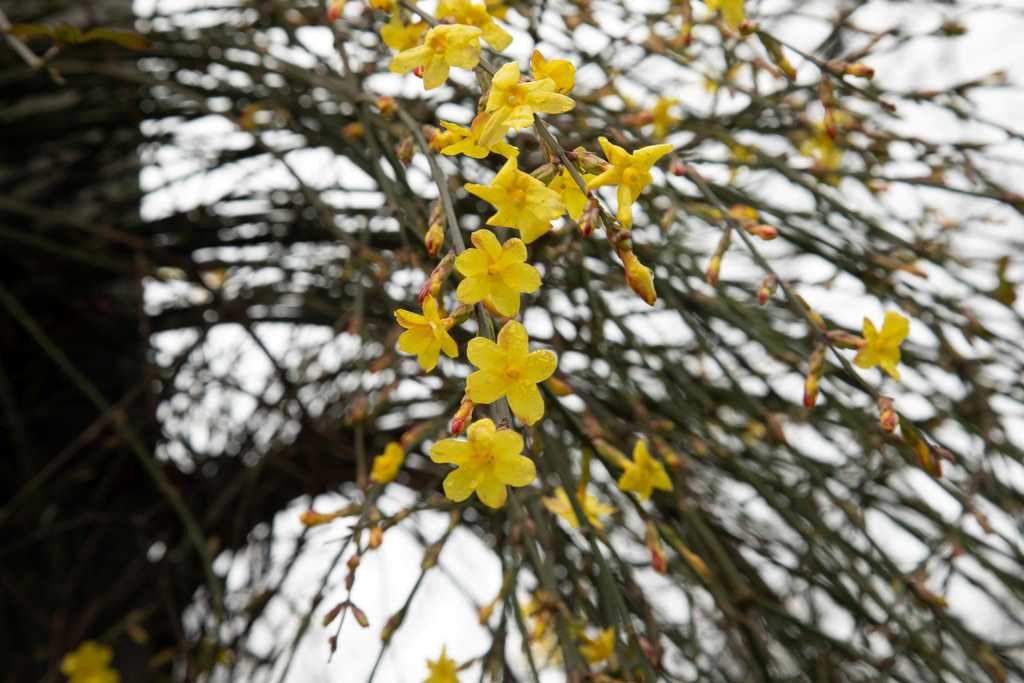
{"x": 206, "y": 226}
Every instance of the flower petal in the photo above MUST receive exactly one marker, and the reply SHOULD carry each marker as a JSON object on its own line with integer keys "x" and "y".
{"x": 515, "y": 470}
{"x": 472, "y": 290}
{"x": 451, "y": 451}
{"x": 486, "y": 355}
{"x": 514, "y": 341}
{"x": 504, "y": 298}
{"x": 486, "y": 242}
{"x": 506, "y": 443}
{"x": 472, "y": 261}
{"x": 408, "y": 319}
{"x": 522, "y": 277}
{"x": 415, "y": 340}
{"x": 448, "y": 345}
{"x": 407, "y": 60}
{"x": 539, "y": 366}
{"x": 435, "y": 73}
{"x": 460, "y": 483}
{"x": 513, "y": 251}
{"x": 492, "y": 492}
{"x": 428, "y": 357}
{"x": 526, "y": 402}
{"x": 485, "y": 387}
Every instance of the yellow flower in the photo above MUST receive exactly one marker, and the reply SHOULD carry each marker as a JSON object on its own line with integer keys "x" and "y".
{"x": 644, "y": 473}
{"x": 592, "y": 508}
{"x": 514, "y": 103}
{"x": 488, "y": 462}
{"x": 475, "y": 14}
{"x": 444, "y": 670}
{"x": 382, "y": 5}
{"x": 426, "y": 335}
{"x": 732, "y": 11}
{"x": 661, "y": 117}
{"x": 631, "y": 172}
{"x": 496, "y": 273}
{"x": 401, "y": 37}
{"x": 883, "y": 348}
{"x": 509, "y": 369}
{"x": 561, "y": 71}
{"x": 387, "y": 464}
{"x": 599, "y": 648}
{"x": 522, "y": 201}
{"x": 572, "y": 196}
{"x": 823, "y": 149}
{"x": 639, "y": 277}
{"x": 90, "y": 663}
{"x": 443, "y": 47}
{"x": 460, "y": 140}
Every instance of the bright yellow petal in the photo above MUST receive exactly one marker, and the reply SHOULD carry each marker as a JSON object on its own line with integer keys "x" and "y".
{"x": 416, "y": 340}
{"x": 492, "y": 492}
{"x": 472, "y": 262}
{"x": 515, "y": 470}
{"x": 435, "y": 73}
{"x": 506, "y": 443}
{"x": 521, "y": 277}
{"x": 539, "y": 366}
{"x": 895, "y": 329}
{"x": 646, "y": 157}
{"x": 448, "y": 345}
{"x": 408, "y": 319}
{"x": 497, "y": 37}
{"x": 485, "y": 387}
{"x": 486, "y": 242}
{"x": 451, "y": 451}
{"x": 512, "y": 252}
{"x": 869, "y": 332}
{"x": 407, "y": 60}
{"x": 427, "y": 358}
{"x": 460, "y": 483}
{"x": 514, "y": 341}
{"x": 504, "y": 298}
{"x": 473, "y": 290}
{"x": 526, "y": 402}
{"x": 486, "y": 355}
{"x": 616, "y": 155}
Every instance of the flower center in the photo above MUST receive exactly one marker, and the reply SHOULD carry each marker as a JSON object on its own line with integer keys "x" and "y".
{"x": 632, "y": 177}
{"x": 513, "y": 372}
{"x": 437, "y": 43}
{"x": 516, "y": 195}
{"x": 494, "y": 269}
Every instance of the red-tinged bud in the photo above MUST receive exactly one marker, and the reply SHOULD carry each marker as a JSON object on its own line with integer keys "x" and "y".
{"x": 332, "y": 614}
{"x": 353, "y": 130}
{"x": 765, "y": 232}
{"x": 335, "y": 9}
{"x": 887, "y": 420}
{"x": 860, "y": 70}
{"x": 677, "y": 167}
{"x": 350, "y": 580}
{"x": 392, "y": 624}
{"x": 945, "y": 454}
{"x": 659, "y": 562}
{"x": 406, "y": 150}
{"x": 639, "y": 277}
{"x": 386, "y": 105}
{"x": 714, "y": 270}
{"x": 442, "y": 271}
{"x": 434, "y": 239}
{"x": 749, "y": 27}
{"x": 810, "y": 391}
{"x": 332, "y": 643}
{"x": 353, "y": 562}
{"x": 767, "y": 289}
{"x": 463, "y": 416}
{"x": 360, "y": 616}
{"x": 639, "y": 119}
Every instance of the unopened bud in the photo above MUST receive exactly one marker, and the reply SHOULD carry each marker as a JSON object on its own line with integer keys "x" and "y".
{"x": 589, "y": 162}
{"x": 353, "y": 130}
{"x": 376, "y": 537}
{"x": 659, "y": 562}
{"x": 810, "y": 391}
{"x": 359, "y": 615}
{"x": 335, "y": 9}
{"x": 589, "y": 219}
{"x": 639, "y": 277}
{"x": 677, "y": 167}
{"x": 714, "y": 270}
{"x": 546, "y": 172}
{"x": 767, "y": 289}
{"x": 406, "y": 150}
{"x": 386, "y": 105}
{"x": 845, "y": 339}
{"x": 860, "y": 70}
{"x": 434, "y": 239}
{"x": 463, "y": 415}
{"x": 332, "y": 614}
{"x": 442, "y": 271}
{"x": 418, "y": 72}
{"x": 353, "y": 562}
{"x": 559, "y": 387}
{"x": 765, "y": 232}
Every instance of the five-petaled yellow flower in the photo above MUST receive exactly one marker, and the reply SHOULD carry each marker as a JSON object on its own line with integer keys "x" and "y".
{"x": 90, "y": 663}
{"x": 598, "y": 648}
{"x": 592, "y": 508}
{"x": 662, "y": 119}
{"x": 631, "y": 172}
{"x": 644, "y": 473}
{"x": 443, "y": 47}
{"x": 475, "y": 14}
{"x": 387, "y": 464}
{"x": 509, "y": 369}
{"x": 487, "y": 462}
{"x": 514, "y": 103}
{"x": 496, "y": 273}
{"x": 522, "y": 201}
{"x": 882, "y": 348}
{"x": 399, "y": 36}
{"x": 561, "y": 71}
{"x": 426, "y": 336}
{"x": 460, "y": 140}
{"x": 572, "y": 196}
{"x": 444, "y": 670}
{"x": 732, "y": 10}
